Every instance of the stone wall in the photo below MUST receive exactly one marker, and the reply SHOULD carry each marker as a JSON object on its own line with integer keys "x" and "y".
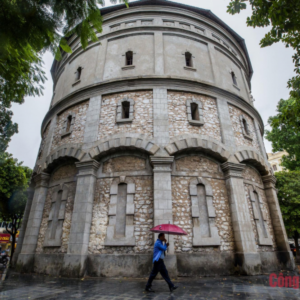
{"x": 240, "y": 140}
{"x": 143, "y": 216}
{"x": 76, "y": 136}
{"x": 142, "y": 119}
{"x": 128, "y": 163}
{"x": 43, "y": 142}
{"x": 182, "y": 204}
{"x": 178, "y": 122}
{"x": 251, "y": 174}
{"x": 66, "y": 171}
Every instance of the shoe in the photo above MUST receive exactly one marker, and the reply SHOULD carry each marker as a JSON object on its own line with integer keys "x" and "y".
{"x": 149, "y": 290}
{"x": 172, "y": 289}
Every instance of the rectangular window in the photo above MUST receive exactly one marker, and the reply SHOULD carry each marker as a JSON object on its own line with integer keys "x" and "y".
{"x": 195, "y": 111}
{"x": 125, "y": 110}
{"x": 129, "y": 58}
{"x": 121, "y": 210}
{"x": 274, "y": 167}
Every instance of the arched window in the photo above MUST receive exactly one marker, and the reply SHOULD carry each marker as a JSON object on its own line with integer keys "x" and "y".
{"x": 120, "y": 229}
{"x": 245, "y": 124}
{"x": 205, "y": 232}
{"x": 69, "y": 122}
{"x": 195, "y": 111}
{"x": 233, "y": 78}
{"x": 245, "y": 128}
{"x": 188, "y": 59}
{"x": 78, "y": 73}
{"x": 129, "y": 58}
{"x": 260, "y": 217}
{"x": 125, "y": 109}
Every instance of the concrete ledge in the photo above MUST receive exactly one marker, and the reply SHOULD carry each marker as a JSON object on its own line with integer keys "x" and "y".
{"x": 110, "y": 265}
{"x": 286, "y": 260}
{"x": 205, "y": 264}
{"x": 248, "y": 263}
{"x": 49, "y": 264}
{"x": 25, "y": 263}
{"x": 140, "y": 265}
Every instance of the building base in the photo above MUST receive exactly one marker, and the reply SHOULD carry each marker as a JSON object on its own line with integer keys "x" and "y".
{"x": 139, "y": 266}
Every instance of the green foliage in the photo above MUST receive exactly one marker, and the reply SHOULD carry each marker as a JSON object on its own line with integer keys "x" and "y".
{"x": 288, "y": 185}
{"x": 284, "y": 136}
{"x": 284, "y": 18}
{"x": 28, "y": 28}
{"x": 14, "y": 180}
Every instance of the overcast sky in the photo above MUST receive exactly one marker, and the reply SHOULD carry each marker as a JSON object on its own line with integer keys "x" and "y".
{"x": 272, "y": 66}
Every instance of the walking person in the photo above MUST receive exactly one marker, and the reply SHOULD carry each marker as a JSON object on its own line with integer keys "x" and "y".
{"x": 160, "y": 247}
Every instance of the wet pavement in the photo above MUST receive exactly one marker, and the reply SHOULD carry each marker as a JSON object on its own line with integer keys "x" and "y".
{"x": 19, "y": 287}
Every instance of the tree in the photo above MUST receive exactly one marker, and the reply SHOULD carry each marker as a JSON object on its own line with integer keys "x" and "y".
{"x": 288, "y": 185}
{"x": 284, "y": 18}
{"x": 28, "y": 28}
{"x": 14, "y": 180}
{"x": 284, "y": 137}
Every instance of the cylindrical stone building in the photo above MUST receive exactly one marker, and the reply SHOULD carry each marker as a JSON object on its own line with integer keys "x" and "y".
{"x": 154, "y": 123}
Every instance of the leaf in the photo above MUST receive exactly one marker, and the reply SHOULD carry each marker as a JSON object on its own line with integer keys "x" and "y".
{"x": 64, "y": 45}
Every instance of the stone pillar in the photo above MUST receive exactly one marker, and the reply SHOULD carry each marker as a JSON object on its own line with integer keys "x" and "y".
{"x": 92, "y": 122}
{"x": 159, "y": 53}
{"x": 284, "y": 253}
{"x": 226, "y": 125}
{"x": 30, "y": 194}
{"x": 161, "y": 118}
{"x": 247, "y": 257}
{"x": 26, "y": 257}
{"x": 75, "y": 259}
{"x": 162, "y": 168}
{"x": 260, "y": 140}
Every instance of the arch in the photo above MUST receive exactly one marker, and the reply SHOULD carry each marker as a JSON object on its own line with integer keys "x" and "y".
{"x": 121, "y": 141}
{"x": 253, "y": 158}
{"x": 60, "y": 155}
{"x": 205, "y": 144}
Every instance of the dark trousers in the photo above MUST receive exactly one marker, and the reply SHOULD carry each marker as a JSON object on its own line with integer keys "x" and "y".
{"x": 160, "y": 267}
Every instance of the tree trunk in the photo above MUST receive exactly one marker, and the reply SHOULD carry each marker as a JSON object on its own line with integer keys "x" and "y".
{"x": 296, "y": 238}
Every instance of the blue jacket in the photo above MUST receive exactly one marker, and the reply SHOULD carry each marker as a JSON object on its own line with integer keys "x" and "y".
{"x": 159, "y": 248}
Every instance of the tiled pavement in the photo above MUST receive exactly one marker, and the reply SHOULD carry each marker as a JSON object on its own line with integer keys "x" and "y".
{"x": 19, "y": 287}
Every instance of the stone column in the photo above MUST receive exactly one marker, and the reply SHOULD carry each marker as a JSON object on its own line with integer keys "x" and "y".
{"x": 284, "y": 253}
{"x": 159, "y": 53}
{"x": 161, "y": 118}
{"x": 26, "y": 257}
{"x": 226, "y": 125}
{"x": 162, "y": 168}
{"x": 92, "y": 122}
{"x": 30, "y": 194}
{"x": 247, "y": 257}
{"x": 75, "y": 259}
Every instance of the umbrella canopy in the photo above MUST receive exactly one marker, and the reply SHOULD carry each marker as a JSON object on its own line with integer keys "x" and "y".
{"x": 168, "y": 228}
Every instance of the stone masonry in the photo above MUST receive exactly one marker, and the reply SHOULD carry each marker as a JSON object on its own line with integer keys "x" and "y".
{"x": 155, "y": 130}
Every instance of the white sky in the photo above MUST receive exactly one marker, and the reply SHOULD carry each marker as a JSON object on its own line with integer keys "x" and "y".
{"x": 272, "y": 66}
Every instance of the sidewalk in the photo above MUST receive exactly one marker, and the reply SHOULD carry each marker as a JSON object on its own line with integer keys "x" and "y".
{"x": 31, "y": 287}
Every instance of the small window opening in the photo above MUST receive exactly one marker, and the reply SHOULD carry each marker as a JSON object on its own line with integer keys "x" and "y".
{"x": 69, "y": 121}
{"x": 233, "y": 78}
{"x": 246, "y": 126}
{"x": 129, "y": 58}
{"x": 188, "y": 59}
{"x": 274, "y": 167}
{"x": 195, "y": 111}
{"x": 78, "y": 73}
{"x": 125, "y": 109}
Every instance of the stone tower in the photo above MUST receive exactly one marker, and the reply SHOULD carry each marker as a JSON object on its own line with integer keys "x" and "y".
{"x": 154, "y": 123}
